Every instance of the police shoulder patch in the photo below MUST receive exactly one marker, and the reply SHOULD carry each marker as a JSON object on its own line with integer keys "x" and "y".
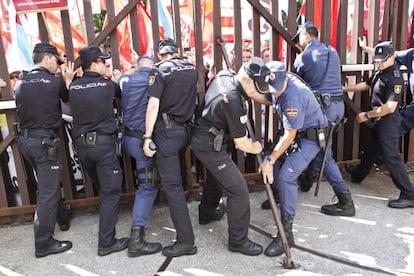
{"x": 151, "y": 80}
{"x": 397, "y": 73}
{"x": 292, "y": 112}
{"x": 397, "y": 89}
{"x": 243, "y": 119}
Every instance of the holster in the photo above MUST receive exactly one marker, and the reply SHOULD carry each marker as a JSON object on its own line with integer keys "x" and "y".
{"x": 318, "y": 135}
{"x": 119, "y": 138}
{"x": 151, "y": 176}
{"x": 218, "y": 138}
{"x": 52, "y": 146}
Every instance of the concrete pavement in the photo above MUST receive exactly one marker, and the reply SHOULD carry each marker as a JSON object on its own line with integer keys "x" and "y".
{"x": 377, "y": 236}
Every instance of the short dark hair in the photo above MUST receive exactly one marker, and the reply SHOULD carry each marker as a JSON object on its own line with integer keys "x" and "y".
{"x": 38, "y": 57}
{"x": 313, "y": 32}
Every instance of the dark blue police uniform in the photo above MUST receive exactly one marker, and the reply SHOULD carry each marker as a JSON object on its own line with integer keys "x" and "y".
{"x": 386, "y": 85}
{"x": 94, "y": 125}
{"x": 38, "y": 96}
{"x": 225, "y": 111}
{"x": 319, "y": 67}
{"x": 298, "y": 109}
{"x": 406, "y": 58}
{"x": 174, "y": 83}
{"x": 134, "y": 104}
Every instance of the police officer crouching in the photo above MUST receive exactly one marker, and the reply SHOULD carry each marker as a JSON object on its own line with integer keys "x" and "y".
{"x": 222, "y": 122}
{"x": 94, "y": 125}
{"x": 303, "y": 124}
{"x": 38, "y": 96}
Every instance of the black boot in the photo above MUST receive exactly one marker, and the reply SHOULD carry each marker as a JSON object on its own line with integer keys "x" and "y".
{"x": 305, "y": 182}
{"x": 63, "y": 216}
{"x": 138, "y": 246}
{"x": 266, "y": 203}
{"x": 275, "y": 248}
{"x": 344, "y": 207}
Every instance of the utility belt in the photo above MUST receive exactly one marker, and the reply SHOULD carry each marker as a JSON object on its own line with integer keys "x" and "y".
{"x": 337, "y": 98}
{"x": 38, "y": 133}
{"x": 325, "y": 99}
{"x": 133, "y": 133}
{"x": 92, "y": 138}
{"x": 48, "y": 136}
{"x": 167, "y": 121}
{"x": 318, "y": 135}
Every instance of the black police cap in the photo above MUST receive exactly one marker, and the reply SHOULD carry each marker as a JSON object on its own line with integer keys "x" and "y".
{"x": 91, "y": 54}
{"x": 49, "y": 49}
{"x": 383, "y": 51}
{"x": 259, "y": 73}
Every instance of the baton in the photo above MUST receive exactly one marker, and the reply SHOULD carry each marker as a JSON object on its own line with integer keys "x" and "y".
{"x": 287, "y": 261}
{"x": 325, "y": 156}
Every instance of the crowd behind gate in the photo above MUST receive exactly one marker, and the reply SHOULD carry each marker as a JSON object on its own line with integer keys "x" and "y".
{"x": 160, "y": 117}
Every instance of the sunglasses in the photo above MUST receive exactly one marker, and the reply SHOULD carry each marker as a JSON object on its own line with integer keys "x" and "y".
{"x": 12, "y": 77}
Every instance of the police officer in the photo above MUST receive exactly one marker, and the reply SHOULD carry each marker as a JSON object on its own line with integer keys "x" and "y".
{"x": 319, "y": 66}
{"x": 134, "y": 102}
{"x": 386, "y": 86}
{"x": 223, "y": 121}
{"x": 171, "y": 105}
{"x": 93, "y": 131}
{"x": 406, "y": 58}
{"x": 303, "y": 122}
{"x": 39, "y": 111}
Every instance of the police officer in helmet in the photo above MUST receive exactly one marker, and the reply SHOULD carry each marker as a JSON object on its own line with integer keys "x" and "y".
{"x": 222, "y": 122}
{"x": 172, "y": 89}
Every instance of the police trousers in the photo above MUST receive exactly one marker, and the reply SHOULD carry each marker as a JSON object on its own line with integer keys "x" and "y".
{"x": 146, "y": 192}
{"x": 295, "y": 163}
{"x": 169, "y": 142}
{"x": 48, "y": 173}
{"x": 226, "y": 174}
{"x": 334, "y": 113}
{"x": 385, "y": 140}
{"x": 102, "y": 165}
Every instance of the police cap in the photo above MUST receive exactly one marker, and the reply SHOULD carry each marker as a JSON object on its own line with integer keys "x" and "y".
{"x": 304, "y": 27}
{"x": 48, "y": 49}
{"x": 167, "y": 46}
{"x": 383, "y": 51}
{"x": 259, "y": 73}
{"x": 91, "y": 54}
{"x": 277, "y": 75}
